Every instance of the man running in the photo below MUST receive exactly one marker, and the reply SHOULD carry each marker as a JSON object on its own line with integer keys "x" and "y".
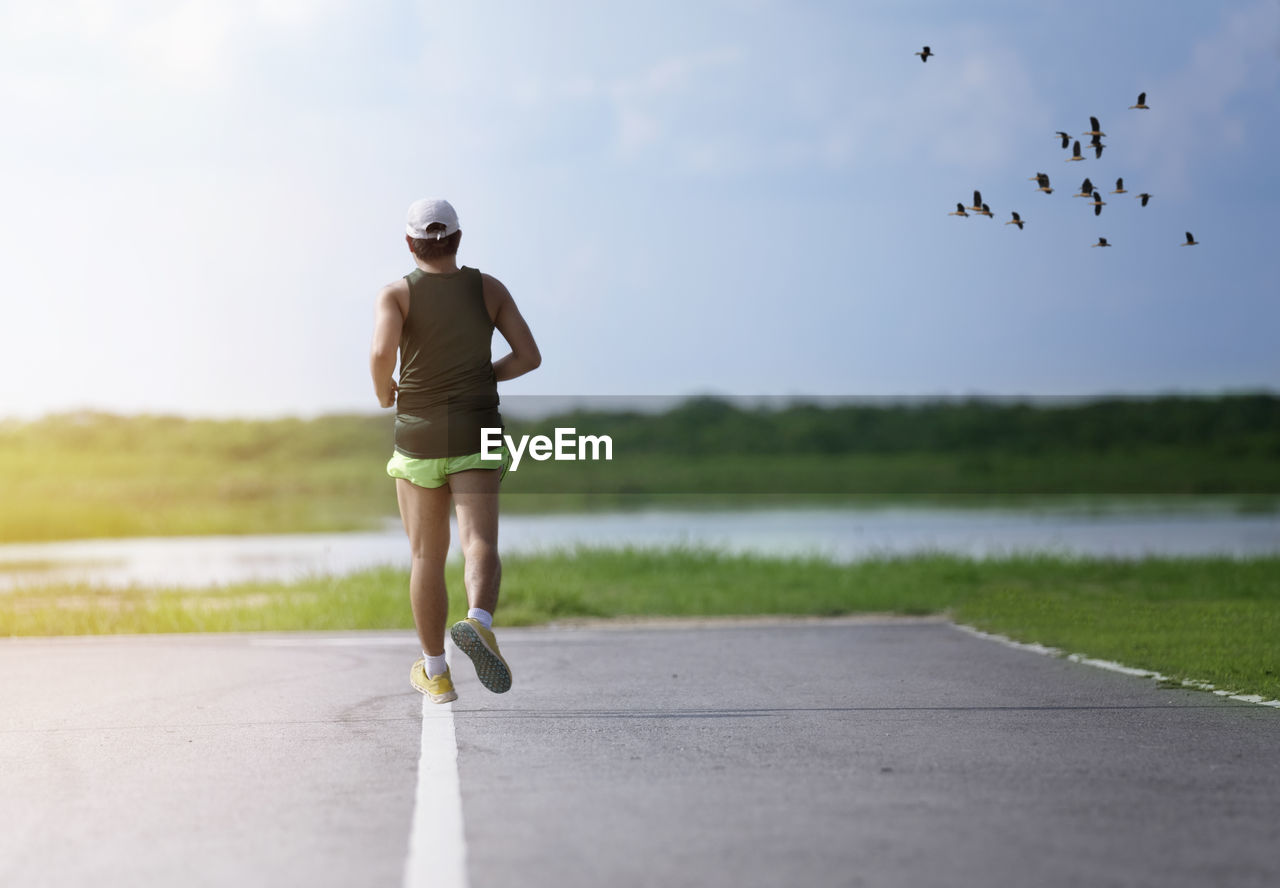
{"x": 440, "y": 318}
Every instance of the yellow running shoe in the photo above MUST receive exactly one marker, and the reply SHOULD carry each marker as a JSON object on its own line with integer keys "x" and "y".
{"x": 479, "y": 644}
{"x": 439, "y": 689}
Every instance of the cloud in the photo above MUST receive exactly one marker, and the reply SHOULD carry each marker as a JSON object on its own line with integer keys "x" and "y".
{"x": 637, "y": 130}
{"x": 784, "y": 92}
{"x": 1194, "y": 110}
{"x": 648, "y": 108}
{"x": 977, "y": 112}
{"x": 736, "y": 111}
{"x": 677, "y": 74}
{"x": 189, "y": 44}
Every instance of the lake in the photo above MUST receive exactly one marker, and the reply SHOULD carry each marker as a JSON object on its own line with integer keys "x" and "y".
{"x": 838, "y": 534}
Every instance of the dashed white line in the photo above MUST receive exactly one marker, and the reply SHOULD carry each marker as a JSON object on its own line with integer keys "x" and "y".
{"x": 1112, "y": 666}
{"x": 437, "y": 842}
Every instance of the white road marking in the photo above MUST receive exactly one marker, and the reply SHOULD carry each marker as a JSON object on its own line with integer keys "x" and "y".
{"x": 437, "y": 843}
{"x": 1113, "y": 666}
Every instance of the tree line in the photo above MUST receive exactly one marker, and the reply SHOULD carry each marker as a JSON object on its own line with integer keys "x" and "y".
{"x": 1237, "y": 424}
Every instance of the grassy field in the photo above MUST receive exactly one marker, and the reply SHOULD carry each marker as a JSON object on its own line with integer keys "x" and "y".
{"x": 106, "y": 476}
{"x": 1210, "y": 619}
{"x": 96, "y": 475}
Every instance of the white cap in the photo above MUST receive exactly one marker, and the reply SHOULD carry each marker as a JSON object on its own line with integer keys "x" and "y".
{"x": 425, "y": 212}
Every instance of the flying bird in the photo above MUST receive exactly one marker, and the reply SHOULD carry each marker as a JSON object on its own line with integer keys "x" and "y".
{"x": 1075, "y": 152}
{"x": 924, "y": 56}
{"x": 1191, "y": 241}
{"x": 1066, "y": 139}
{"x": 1096, "y": 142}
{"x": 1102, "y": 242}
{"x": 986, "y": 211}
{"x": 977, "y": 202}
{"x": 1142, "y": 103}
{"x": 1017, "y": 220}
{"x": 959, "y": 211}
{"x": 1086, "y": 188}
{"x": 1097, "y": 128}
{"x": 1120, "y": 186}
{"x": 1097, "y": 204}
{"x": 1144, "y": 197}
{"x": 1043, "y": 181}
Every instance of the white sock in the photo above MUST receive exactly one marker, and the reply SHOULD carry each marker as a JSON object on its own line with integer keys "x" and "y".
{"x": 435, "y": 666}
{"x": 483, "y": 617}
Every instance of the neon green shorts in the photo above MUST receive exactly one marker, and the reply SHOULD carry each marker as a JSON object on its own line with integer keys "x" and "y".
{"x": 433, "y": 472}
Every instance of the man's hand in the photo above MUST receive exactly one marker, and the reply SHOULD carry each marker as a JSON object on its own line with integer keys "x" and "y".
{"x": 511, "y": 324}
{"x": 389, "y": 399}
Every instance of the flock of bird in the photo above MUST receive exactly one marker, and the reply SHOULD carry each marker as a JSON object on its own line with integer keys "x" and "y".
{"x": 1087, "y": 188}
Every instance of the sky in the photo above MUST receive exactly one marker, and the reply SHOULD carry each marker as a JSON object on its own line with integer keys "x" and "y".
{"x": 201, "y": 198}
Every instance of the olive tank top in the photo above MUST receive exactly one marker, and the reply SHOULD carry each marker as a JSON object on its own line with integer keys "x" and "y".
{"x": 447, "y": 391}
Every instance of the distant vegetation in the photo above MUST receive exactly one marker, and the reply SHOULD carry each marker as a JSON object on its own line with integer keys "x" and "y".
{"x": 95, "y": 475}
{"x": 1234, "y": 425}
{"x": 971, "y": 448}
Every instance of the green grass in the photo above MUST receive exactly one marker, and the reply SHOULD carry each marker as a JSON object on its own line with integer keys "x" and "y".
{"x": 1212, "y": 619}
{"x": 96, "y": 475}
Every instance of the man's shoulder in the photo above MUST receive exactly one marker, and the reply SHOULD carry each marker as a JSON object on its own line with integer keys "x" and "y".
{"x": 492, "y": 285}
{"x": 395, "y": 293}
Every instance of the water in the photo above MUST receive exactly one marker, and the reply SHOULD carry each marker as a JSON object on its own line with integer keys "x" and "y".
{"x": 839, "y": 534}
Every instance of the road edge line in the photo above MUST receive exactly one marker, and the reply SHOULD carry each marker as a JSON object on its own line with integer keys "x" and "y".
{"x": 1112, "y": 666}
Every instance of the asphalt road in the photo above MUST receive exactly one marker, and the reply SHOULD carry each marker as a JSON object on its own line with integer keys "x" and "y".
{"x": 826, "y": 753}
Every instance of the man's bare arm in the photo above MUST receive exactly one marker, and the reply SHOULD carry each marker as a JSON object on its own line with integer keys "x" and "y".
{"x": 511, "y": 324}
{"x": 388, "y": 319}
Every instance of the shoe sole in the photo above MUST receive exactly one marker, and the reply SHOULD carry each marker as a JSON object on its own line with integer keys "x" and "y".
{"x": 437, "y": 698}
{"x": 490, "y": 668}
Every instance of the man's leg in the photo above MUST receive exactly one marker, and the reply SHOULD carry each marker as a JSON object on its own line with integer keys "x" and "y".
{"x": 425, "y": 512}
{"x": 475, "y": 498}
